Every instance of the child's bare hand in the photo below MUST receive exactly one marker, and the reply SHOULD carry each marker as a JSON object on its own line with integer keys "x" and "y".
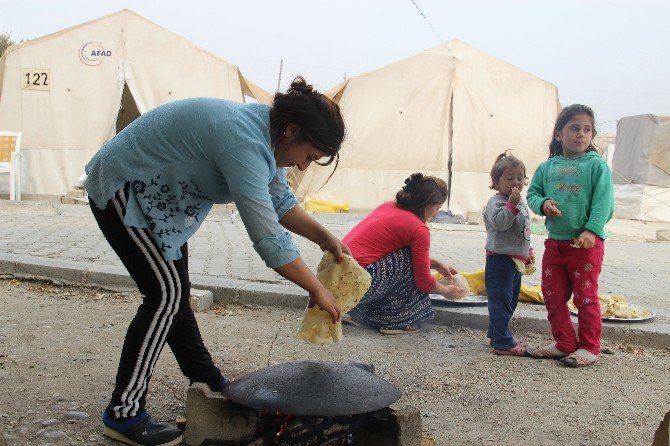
{"x": 550, "y": 209}
{"x": 514, "y": 196}
{"x": 585, "y": 240}
{"x": 531, "y": 258}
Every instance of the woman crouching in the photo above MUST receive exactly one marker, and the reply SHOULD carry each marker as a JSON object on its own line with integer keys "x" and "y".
{"x": 393, "y": 245}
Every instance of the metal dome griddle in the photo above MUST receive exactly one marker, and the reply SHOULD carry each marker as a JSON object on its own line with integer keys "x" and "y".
{"x": 312, "y": 388}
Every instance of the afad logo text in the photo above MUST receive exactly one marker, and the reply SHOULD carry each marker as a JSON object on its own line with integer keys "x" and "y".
{"x": 93, "y": 53}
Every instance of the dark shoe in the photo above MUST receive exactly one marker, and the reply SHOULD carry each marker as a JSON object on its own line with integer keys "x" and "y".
{"x": 218, "y": 386}
{"x": 215, "y": 386}
{"x": 146, "y": 432}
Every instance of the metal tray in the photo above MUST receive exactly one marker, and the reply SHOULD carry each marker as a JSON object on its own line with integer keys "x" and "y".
{"x": 574, "y": 312}
{"x": 472, "y": 300}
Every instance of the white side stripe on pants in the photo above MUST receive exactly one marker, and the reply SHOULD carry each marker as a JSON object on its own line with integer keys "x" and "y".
{"x": 159, "y": 327}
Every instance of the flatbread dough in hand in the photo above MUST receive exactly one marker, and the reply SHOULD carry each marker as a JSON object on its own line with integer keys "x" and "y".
{"x": 348, "y": 282}
{"x": 458, "y": 280}
{"x": 526, "y": 269}
{"x": 461, "y": 282}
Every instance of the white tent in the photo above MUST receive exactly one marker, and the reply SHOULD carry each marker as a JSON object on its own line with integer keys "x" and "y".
{"x": 70, "y": 91}
{"x": 604, "y": 143}
{"x": 448, "y": 111}
{"x": 641, "y": 168}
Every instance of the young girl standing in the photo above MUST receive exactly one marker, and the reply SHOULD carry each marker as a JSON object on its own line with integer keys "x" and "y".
{"x": 573, "y": 189}
{"x": 507, "y": 251}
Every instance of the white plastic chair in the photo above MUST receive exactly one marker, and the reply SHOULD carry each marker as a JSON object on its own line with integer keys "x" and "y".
{"x": 10, "y": 161}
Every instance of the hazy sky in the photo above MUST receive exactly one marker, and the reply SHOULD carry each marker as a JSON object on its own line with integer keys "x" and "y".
{"x": 613, "y": 55}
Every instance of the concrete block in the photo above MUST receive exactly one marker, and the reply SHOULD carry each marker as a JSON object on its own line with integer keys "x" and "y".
{"x": 225, "y": 290}
{"x": 211, "y": 416}
{"x": 201, "y": 299}
{"x": 662, "y": 435}
{"x": 378, "y": 433}
{"x": 663, "y": 235}
{"x": 76, "y": 193}
{"x": 73, "y": 200}
{"x": 401, "y": 428}
{"x": 409, "y": 423}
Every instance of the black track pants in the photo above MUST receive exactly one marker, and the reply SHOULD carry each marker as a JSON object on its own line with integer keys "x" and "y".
{"x": 164, "y": 315}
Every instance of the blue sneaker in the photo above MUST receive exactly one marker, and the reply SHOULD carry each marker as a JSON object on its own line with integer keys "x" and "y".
{"x": 141, "y": 430}
{"x": 218, "y": 387}
{"x": 215, "y": 386}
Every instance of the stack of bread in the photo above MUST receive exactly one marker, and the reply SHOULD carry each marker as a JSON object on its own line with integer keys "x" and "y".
{"x": 615, "y": 306}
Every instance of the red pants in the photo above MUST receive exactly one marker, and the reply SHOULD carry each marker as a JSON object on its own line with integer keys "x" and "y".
{"x": 566, "y": 272}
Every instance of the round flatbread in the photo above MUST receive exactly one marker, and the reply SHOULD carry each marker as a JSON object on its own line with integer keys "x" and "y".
{"x": 348, "y": 282}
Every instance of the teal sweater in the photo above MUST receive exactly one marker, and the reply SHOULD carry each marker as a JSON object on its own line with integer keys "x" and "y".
{"x": 582, "y": 186}
{"x": 184, "y": 156}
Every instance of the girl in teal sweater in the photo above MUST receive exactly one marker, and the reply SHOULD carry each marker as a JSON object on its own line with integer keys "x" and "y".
{"x": 573, "y": 190}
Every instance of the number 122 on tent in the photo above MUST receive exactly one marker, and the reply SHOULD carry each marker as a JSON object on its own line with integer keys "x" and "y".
{"x": 36, "y": 79}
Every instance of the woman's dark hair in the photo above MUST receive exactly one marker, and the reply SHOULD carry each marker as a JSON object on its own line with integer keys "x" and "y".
{"x": 318, "y": 118}
{"x": 421, "y": 191}
{"x": 563, "y": 118}
{"x": 503, "y": 162}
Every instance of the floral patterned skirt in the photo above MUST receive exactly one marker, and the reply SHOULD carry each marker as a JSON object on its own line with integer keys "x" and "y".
{"x": 393, "y": 301}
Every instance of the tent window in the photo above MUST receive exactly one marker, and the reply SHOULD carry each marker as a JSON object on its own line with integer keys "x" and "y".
{"x": 128, "y": 112}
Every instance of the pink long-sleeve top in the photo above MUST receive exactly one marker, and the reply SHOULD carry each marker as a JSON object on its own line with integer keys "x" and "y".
{"x": 387, "y": 229}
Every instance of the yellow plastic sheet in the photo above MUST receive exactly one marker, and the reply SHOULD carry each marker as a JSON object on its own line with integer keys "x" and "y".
{"x": 476, "y": 281}
{"x": 478, "y": 286}
{"x": 324, "y": 207}
{"x": 531, "y": 294}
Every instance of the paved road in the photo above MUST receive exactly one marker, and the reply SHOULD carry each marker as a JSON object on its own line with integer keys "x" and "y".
{"x": 221, "y": 249}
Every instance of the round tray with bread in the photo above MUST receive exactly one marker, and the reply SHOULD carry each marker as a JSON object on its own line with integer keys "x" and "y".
{"x": 461, "y": 282}
{"x": 615, "y": 308}
{"x": 473, "y": 299}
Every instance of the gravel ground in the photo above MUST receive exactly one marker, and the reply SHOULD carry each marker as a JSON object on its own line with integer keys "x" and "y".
{"x": 59, "y": 346}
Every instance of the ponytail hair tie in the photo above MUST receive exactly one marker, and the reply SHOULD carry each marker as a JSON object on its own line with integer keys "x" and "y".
{"x": 412, "y": 181}
{"x": 300, "y": 87}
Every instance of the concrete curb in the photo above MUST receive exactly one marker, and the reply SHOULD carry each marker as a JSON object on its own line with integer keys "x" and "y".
{"x": 651, "y": 333}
